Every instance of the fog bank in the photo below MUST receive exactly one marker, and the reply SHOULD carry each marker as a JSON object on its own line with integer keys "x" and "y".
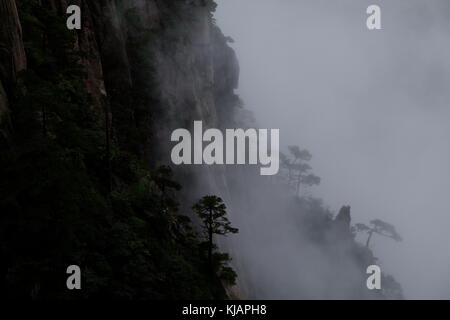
{"x": 373, "y": 107}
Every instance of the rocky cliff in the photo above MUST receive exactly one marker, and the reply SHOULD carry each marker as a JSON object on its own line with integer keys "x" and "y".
{"x": 86, "y": 120}
{"x": 12, "y": 55}
{"x": 189, "y": 68}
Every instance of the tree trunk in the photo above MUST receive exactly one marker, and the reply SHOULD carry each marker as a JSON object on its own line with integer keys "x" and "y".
{"x": 368, "y": 238}
{"x": 210, "y": 241}
{"x": 289, "y": 174}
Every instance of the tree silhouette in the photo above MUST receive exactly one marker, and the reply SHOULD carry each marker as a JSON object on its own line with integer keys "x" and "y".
{"x": 298, "y": 168}
{"x": 212, "y": 212}
{"x": 299, "y": 155}
{"x": 379, "y": 227}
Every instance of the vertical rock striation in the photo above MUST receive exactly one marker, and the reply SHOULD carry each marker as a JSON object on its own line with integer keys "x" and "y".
{"x": 12, "y": 57}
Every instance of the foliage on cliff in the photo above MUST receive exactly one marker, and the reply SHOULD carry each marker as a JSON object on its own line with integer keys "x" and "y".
{"x": 74, "y": 190}
{"x": 336, "y": 237}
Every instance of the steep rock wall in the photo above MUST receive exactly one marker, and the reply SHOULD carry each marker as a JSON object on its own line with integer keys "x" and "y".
{"x": 150, "y": 67}
{"x": 190, "y": 73}
{"x": 12, "y": 57}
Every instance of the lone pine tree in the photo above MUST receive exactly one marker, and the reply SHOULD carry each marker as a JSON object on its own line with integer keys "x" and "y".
{"x": 379, "y": 227}
{"x": 212, "y": 212}
{"x": 298, "y": 168}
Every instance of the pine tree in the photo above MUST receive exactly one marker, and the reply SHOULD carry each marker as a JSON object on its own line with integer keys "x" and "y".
{"x": 212, "y": 212}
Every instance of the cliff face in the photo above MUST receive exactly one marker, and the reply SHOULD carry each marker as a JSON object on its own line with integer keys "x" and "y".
{"x": 194, "y": 71}
{"x": 12, "y": 55}
{"x": 78, "y": 170}
{"x": 75, "y": 181}
{"x": 154, "y": 66}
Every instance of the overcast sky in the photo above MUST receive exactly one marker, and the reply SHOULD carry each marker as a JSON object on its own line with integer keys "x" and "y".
{"x": 373, "y": 107}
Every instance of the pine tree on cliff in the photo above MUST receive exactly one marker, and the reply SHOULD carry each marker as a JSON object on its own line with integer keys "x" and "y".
{"x": 298, "y": 168}
{"x": 379, "y": 227}
{"x": 212, "y": 212}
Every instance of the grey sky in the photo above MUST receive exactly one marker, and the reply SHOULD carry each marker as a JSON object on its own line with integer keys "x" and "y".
{"x": 373, "y": 107}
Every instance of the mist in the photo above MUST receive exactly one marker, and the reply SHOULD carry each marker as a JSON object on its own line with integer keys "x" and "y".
{"x": 373, "y": 109}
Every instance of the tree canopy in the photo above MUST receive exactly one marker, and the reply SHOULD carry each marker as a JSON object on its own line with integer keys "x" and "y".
{"x": 212, "y": 211}
{"x": 298, "y": 168}
{"x": 379, "y": 227}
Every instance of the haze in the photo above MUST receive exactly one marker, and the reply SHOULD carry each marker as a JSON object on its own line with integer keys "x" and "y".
{"x": 373, "y": 107}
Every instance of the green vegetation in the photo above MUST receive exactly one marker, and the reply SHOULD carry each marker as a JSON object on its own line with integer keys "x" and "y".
{"x": 334, "y": 234}
{"x": 212, "y": 212}
{"x": 76, "y": 191}
{"x": 78, "y": 187}
{"x": 298, "y": 169}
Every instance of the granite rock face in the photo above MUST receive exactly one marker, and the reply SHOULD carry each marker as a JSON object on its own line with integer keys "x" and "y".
{"x": 192, "y": 69}
{"x": 12, "y": 57}
{"x": 153, "y": 65}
